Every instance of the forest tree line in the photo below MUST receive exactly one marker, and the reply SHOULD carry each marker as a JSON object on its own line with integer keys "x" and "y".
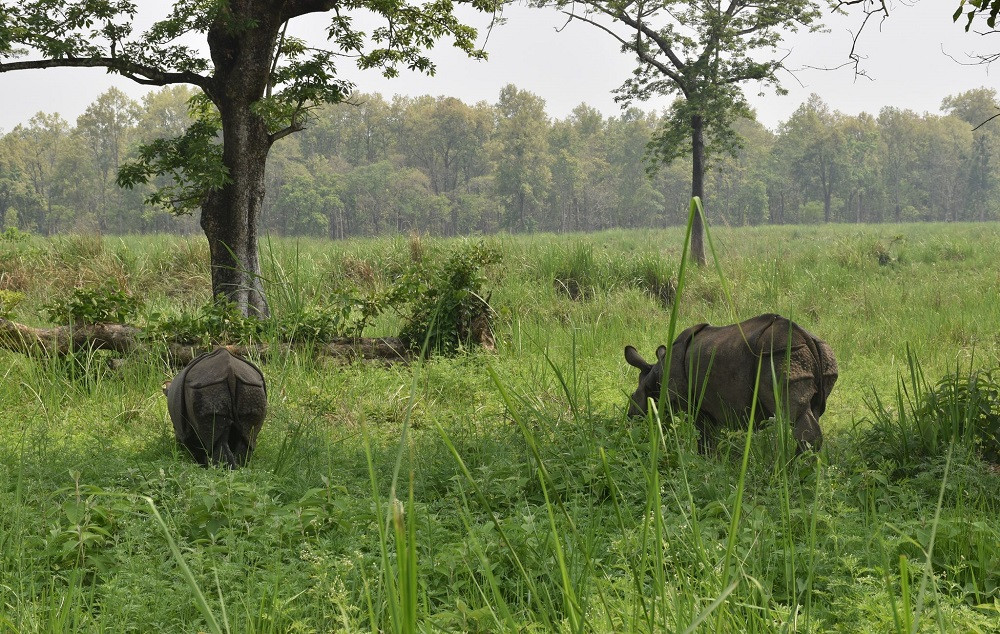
{"x": 440, "y": 166}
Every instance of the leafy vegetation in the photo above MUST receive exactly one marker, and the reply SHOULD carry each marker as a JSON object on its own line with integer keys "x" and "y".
{"x": 506, "y": 491}
{"x": 447, "y": 305}
{"x": 107, "y": 303}
{"x": 923, "y": 422}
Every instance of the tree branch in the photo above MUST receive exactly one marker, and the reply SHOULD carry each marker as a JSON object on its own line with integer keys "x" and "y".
{"x": 138, "y": 73}
{"x": 646, "y": 58}
{"x": 296, "y": 8}
{"x": 282, "y": 133}
{"x": 651, "y": 33}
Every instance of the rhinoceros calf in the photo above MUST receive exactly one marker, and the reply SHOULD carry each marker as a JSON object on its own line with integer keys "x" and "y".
{"x": 722, "y": 361}
{"x": 217, "y": 404}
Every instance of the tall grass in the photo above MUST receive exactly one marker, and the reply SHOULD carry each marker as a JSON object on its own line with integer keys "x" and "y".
{"x": 507, "y": 491}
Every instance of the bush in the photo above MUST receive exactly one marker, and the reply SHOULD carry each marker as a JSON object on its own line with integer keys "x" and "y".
{"x": 340, "y": 315}
{"x": 447, "y": 305}
{"x": 215, "y": 322}
{"x": 8, "y": 301}
{"x": 106, "y": 303}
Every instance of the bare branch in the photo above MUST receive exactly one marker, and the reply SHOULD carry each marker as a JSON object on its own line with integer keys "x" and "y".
{"x": 645, "y": 57}
{"x": 985, "y": 122}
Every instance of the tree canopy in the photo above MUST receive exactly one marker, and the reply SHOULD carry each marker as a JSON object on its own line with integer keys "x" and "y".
{"x": 259, "y": 85}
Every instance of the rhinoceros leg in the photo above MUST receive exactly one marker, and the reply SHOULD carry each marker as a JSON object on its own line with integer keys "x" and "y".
{"x": 211, "y": 419}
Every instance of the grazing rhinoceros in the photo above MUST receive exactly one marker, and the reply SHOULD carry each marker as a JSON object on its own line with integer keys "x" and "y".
{"x": 722, "y": 361}
{"x": 217, "y": 404}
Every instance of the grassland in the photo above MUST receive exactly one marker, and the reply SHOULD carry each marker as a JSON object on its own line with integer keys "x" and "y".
{"x": 507, "y": 491}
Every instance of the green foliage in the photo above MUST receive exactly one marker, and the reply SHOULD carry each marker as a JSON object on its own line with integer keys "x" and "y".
{"x": 971, "y": 9}
{"x": 192, "y": 161}
{"x": 216, "y": 322}
{"x": 81, "y": 536}
{"x": 442, "y": 167}
{"x": 8, "y": 302}
{"x": 446, "y": 305}
{"x": 107, "y": 303}
{"x": 338, "y": 315}
{"x": 13, "y": 234}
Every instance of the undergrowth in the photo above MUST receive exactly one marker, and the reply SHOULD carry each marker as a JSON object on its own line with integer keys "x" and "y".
{"x": 507, "y": 491}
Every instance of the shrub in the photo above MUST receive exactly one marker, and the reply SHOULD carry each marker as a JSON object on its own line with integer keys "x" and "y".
{"x": 340, "y": 315}
{"x": 106, "y": 303}
{"x": 447, "y": 305}
{"x": 8, "y": 301}
{"x": 215, "y": 322}
{"x": 13, "y": 234}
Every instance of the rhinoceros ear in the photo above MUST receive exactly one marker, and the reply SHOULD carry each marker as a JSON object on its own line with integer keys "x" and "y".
{"x": 634, "y": 359}
{"x": 661, "y": 353}
{"x": 166, "y": 386}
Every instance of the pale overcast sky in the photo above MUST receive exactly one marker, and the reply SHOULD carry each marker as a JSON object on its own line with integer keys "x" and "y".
{"x": 906, "y": 58}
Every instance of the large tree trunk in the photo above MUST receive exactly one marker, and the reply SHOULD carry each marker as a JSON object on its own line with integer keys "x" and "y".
{"x": 698, "y": 187}
{"x": 231, "y": 215}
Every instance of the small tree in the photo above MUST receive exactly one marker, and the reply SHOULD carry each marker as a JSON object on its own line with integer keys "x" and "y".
{"x": 703, "y": 52}
{"x": 258, "y": 85}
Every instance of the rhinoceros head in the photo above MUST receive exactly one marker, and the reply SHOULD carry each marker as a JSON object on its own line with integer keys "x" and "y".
{"x": 650, "y": 379}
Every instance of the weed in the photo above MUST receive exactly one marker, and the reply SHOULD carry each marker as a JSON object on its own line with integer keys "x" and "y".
{"x": 924, "y": 421}
{"x": 8, "y": 302}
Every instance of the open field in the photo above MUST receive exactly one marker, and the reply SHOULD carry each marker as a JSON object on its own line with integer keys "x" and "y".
{"x": 528, "y": 502}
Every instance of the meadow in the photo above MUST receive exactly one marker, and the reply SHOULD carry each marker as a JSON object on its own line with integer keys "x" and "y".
{"x": 507, "y": 490}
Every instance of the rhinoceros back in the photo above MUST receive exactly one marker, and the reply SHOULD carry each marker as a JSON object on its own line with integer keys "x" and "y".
{"x": 218, "y": 392}
{"x": 221, "y": 385}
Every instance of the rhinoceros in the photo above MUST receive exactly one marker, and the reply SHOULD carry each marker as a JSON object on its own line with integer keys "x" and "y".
{"x": 722, "y": 361}
{"x": 217, "y": 404}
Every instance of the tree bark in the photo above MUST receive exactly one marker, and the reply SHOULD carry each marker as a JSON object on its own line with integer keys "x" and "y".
{"x": 698, "y": 187}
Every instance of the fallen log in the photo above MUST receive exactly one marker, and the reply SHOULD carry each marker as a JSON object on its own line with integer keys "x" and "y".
{"x": 124, "y": 339}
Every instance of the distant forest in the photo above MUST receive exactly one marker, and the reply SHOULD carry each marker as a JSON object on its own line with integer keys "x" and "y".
{"x": 440, "y": 166}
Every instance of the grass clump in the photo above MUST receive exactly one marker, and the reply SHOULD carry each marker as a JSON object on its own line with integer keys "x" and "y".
{"x": 580, "y": 273}
{"x": 924, "y": 421}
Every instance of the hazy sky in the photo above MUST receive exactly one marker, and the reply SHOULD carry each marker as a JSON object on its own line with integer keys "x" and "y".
{"x": 906, "y": 58}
